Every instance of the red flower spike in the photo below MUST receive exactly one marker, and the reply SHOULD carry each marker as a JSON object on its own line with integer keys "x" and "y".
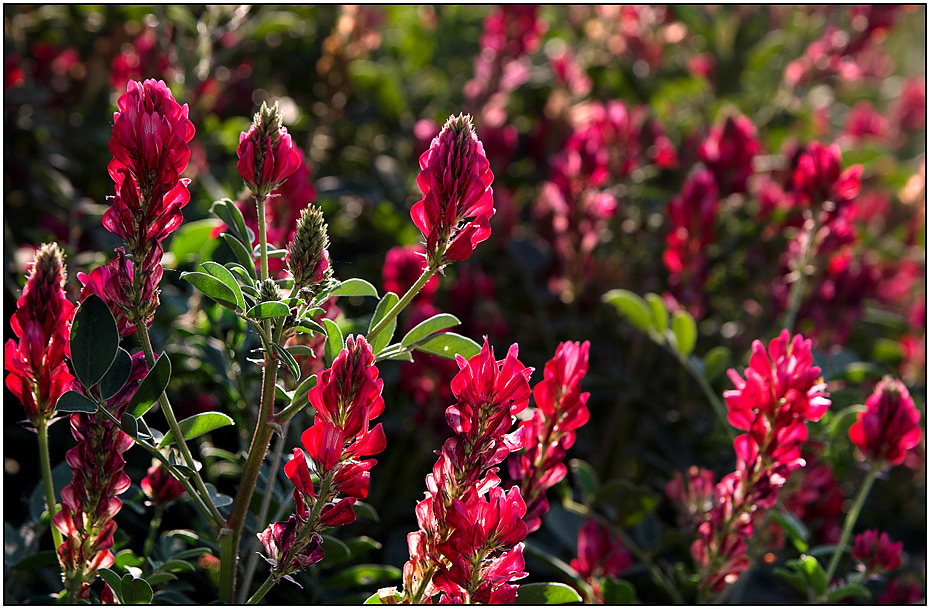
{"x": 349, "y": 393}
{"x": 890, "y": 424}
{"x": 728, "y": 152}
{"x": 875, "y": 553}
{"x": 600, "y": 554}
{"x": 455, "y": 179}
{"x": 35, "y": 360}
{"x": 267, "y": 155}
{"x": 298, "y": 472}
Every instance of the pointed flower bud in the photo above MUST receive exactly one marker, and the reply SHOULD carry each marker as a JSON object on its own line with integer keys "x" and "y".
{"x": 890, "y": 424}
{"x": 267, "y": 156}
{"x": 269, "y": 291}
{"x": 455, "y": 178}
{"x": 307, "y": 255}
{"x": 35, "y": 359}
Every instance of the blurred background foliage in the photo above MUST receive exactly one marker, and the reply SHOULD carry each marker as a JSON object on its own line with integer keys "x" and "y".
{"x": 363, "y": 89}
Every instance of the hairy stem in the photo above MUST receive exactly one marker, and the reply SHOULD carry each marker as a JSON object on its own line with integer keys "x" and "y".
{"x": 47, "y": 479}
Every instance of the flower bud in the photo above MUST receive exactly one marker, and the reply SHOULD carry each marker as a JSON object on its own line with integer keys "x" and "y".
{"x": 876, "y": 553}
{"x": 307, "y": 255}
{"x": 269, "y": 291}
{"x": 890, "y": 424}
{"x": 267, "y": 155}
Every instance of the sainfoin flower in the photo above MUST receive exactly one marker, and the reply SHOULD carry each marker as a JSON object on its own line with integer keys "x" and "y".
{"x": 728, "y": 152}
{"x": 875, "y": 553}
{"x": 782, "y": 390}
{"x": 600, "y": 554}
{"x": 346, "y": 398}
{"x": 90, "y": 502}
{"x": 35, "y": 359}
{"x": 890, "y": 424}
{"x": 561, "y": 408}
{"x": 468, "y": 547}
{"x": 455, "y": 178}
{"x": 160, "y": 486}
{"x": 818, "y": 177}
{"x": 267, "y": 155}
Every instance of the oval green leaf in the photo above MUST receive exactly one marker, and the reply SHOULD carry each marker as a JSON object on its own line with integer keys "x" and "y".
{"x": 197, "y": 425}
{"x": 151, "y": 387}
{"x": 117, "y": 375}
{"x": 659, "y": 312}
{"x": 288, "y": 360}
{"x": 716, "y": 362}
{"x": 193, "y": 241}
{"x": 384, "y": 337}
{"x": 546, "y": 594}
{"x": 212, "y": 287}
{"x": 448, "y": 344}
{"x": 72, "y": 401}
{"x": 128, "y": 424}
{"x": 355, "y": 287}
{"x": 685, "y": 331}
{"x": 618, "y": 591}
{"x": 94, "y": 340}
{"x": 363, "y": 575}
{"x": 434, "y": 324}
{"x": 265, "y": 310}
{"x": 334, "y": 341}
{"x": 229, "y": 280}
{"x": 242, "y": 254}
{"x": 631, "y": 306}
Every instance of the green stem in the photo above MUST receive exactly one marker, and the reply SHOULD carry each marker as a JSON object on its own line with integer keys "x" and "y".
{"x": 153, "y": 530}
{"x": 797, "y": 289}
{"x": 176, "y": 429}
{"x": 401, "y": 304}
{"x": 47, "y": 480}
{"x": 850, "y": 522}
{"x": 422, "y": 588}
{"x": 262, "y": 239}
{"x": 261, "y": 592}
{"x": 719, "y": 407}
{"x": 263, "y": 514}
{"x": 229, "y": 547}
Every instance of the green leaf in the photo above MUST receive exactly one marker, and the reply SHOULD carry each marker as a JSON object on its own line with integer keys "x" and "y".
{"x": 192, "y": 240}
{"x": 305, "y": 386}
{"x": 384, "y": 337}
{"x": 334, "y": 341}
{"x": 272, "y": 308}
{"x": 288, "y": 360}
{"x": 448, "y": 344}
{"x": 94, "y": 341}
{"x": 213, "y": 288}
{"x": 126, "y": 558}
{"x": 157, "y": 579}
{"x": 363, "y": 575}
{"x": 151, "y": 387}
{"x": 229, "y": 280}
{"x": 618, "y": 591}
{"x": 364, "y": 511}
{"x": 434, "y": 324}
{"x": 586, "y": 477}
{"x": 117, "y": 375}
{"x": 844, "y": 592}
{"x": 716, "y": 362}
{"x": 685, "y": 331}
{"x": 72, "y": 401}
{"x": 374, "y": 599}
{"x": 659, "y": 312}
{"x": 241, "y": 274}
{"x": 403, "y": 356}
{"x": 144, "y": 431}
{"x": 300, "y": 350}
{"x": 815, "y": 574}
{"x": 242, "y": 254}
{"x": 176, "y": 566}
{"x": 128, "y": 424}
{"x": 136, "y": 591}
{"x": 308, "y": 326}
{"x": 112, "y": 580}
{"x": 197, "y": 425}
{"x": 39, "y": 559}
{"x": 794, "y": 529}
{"x": 355, "y": 287}
{"x": 631, "y": 306}
{"x": 217, "y": 498}
{"x": 546, "y": 594}
{"x": 334, "y": 550}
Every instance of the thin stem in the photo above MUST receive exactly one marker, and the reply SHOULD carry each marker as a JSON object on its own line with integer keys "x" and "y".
{"x": 422, "y": 588}
{"x": 261, "y": 592}
{"x": 176, "y": 429}
{"x": 47, "y": 480}
{"x": 153, "y": 530}
{"x": 850, "y": 522}
{"x": 298, "y": 404}
{"x": 229, "y": 547}
{"x": 262, "y": 239}
{"x": 797, "y": 289}
{"x": 401, "y": 304}
{"x": 263, "y": 514}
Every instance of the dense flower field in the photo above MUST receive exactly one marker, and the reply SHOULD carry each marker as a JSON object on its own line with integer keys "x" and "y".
{"x": 465, "y": 304}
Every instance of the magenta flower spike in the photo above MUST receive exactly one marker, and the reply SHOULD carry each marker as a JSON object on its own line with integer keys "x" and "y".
{"x": 890, "y": 424}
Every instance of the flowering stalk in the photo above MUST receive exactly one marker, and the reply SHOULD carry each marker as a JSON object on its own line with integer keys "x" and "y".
{"x": 469, "y": 545}
{"x": 851, "y": 517}
{"x": 36, "y": 358}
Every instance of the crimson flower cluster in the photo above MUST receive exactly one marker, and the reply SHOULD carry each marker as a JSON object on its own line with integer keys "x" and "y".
{"x": 561, "y": 408}
{"x": 149, "y": 143}
{"x": 728, "y": 151}
{"x": 35, "y": 359}
{"x": 889, "y": 426}
{"x": 600, "y": 554}
{"x": 455, "y": 178}
{"x": 781, "y": 392}
{"x": 90, "y": 502}
{"x": 160, "y": 486}
{"x": 875, "y": 553}
{"x": 818, "y": 177}
{"x": 693, "y": 496}
{"x": 468, "y": 548}
{"x": 267, "y": 155}
{"x": 347, "y": 397}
